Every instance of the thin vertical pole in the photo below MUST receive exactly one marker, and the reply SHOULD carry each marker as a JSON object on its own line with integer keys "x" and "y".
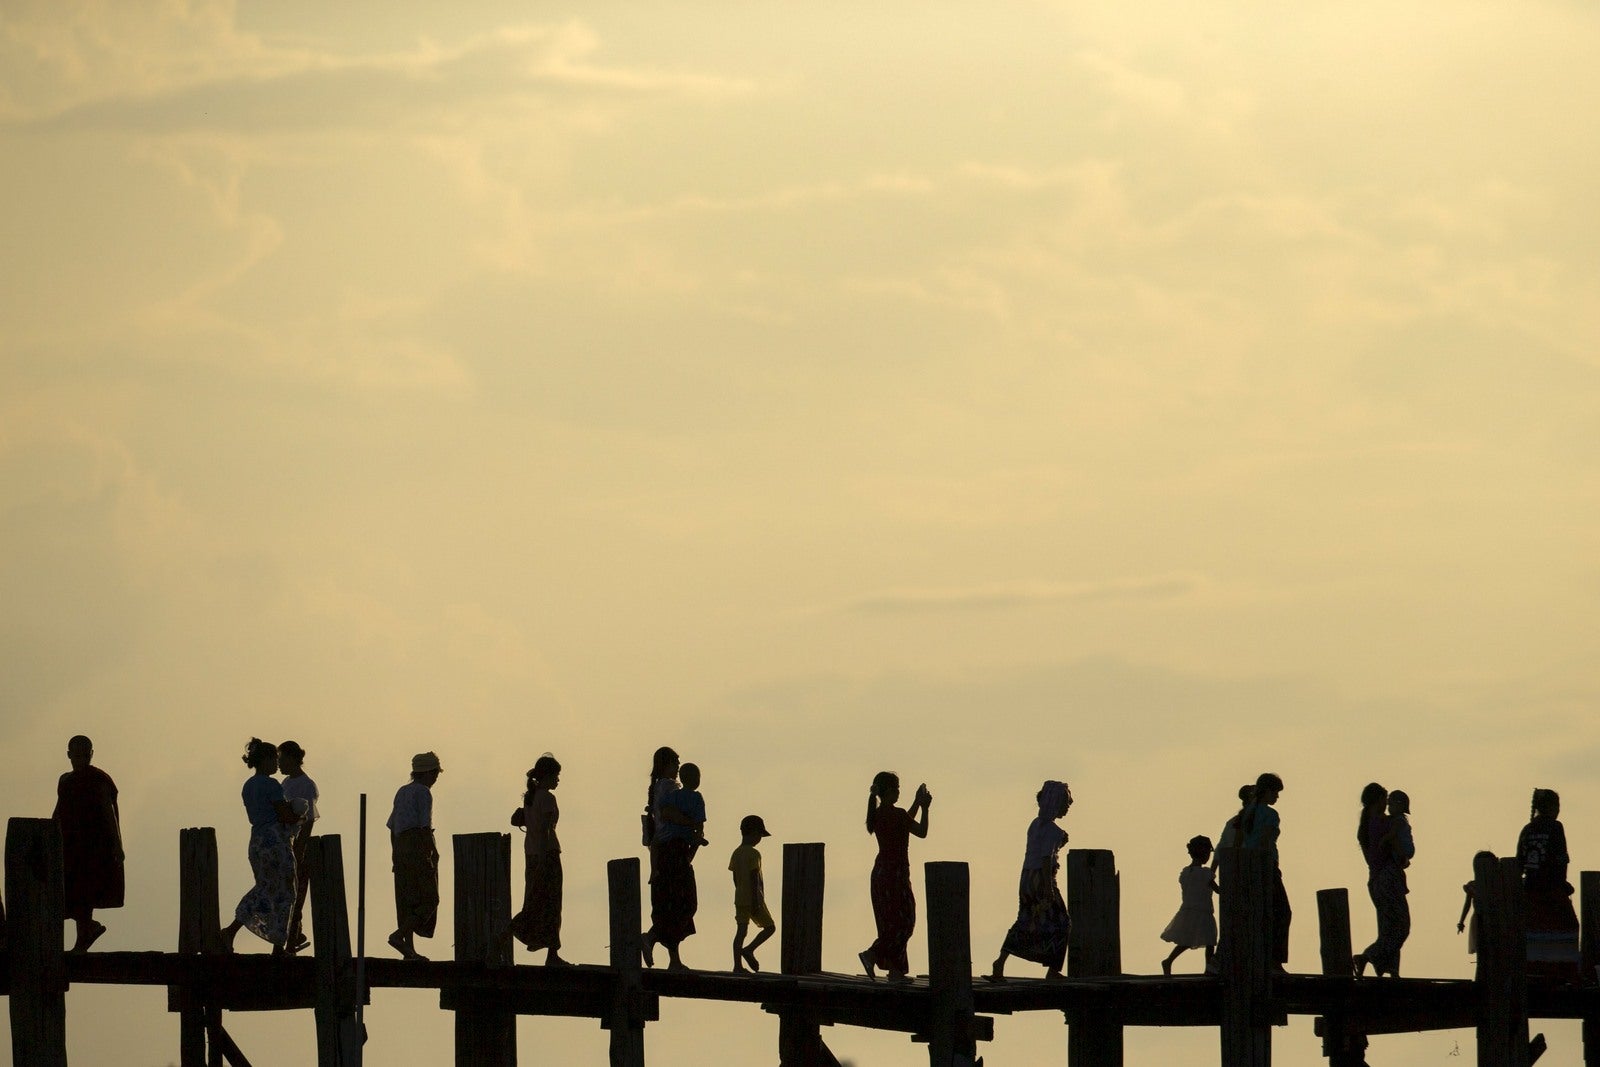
{"x": 38, "y": 977}
{"x": 361, "y": 927}
{"x": 1095, "y": 950}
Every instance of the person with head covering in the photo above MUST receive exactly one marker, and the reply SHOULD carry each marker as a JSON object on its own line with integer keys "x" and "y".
{"x": 301, "y": 792}
{"x": 91, "y": 841}
{"x": 894, "y": 905}
{"x": 1552, "y": 922}
{"x": 266, "y": 908}
{"x": 416, "y": 859}
{"x": 538, "y": 924}
{"x": 1389, "y": 846}
{"x": 1043, "y": 925}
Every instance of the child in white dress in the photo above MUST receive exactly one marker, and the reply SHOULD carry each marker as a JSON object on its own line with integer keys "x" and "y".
{"x": 1195, "y": 925}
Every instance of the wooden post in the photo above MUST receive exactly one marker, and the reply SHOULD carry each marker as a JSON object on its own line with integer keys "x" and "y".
{"x": 199, "y": 933}
{"x": 1342, "y": 1042}
{"x": 1589, "y": 955}
{"x": 338, "y": 1037}
{"x": 486, "y": 1033}
{"x": 1502, "y": 963}
{"x": 952, "y": 1040}
{"x": 1094, "y": 901}
{"x": 626, "y": 1018}
{"x": 1244, "y": 966}
{"x": 34, "y": 885}
{"x": 800, "y": 937}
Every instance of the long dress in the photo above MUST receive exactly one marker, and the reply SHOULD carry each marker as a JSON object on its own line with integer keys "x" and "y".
{"x": 538, "y": 924}
{"x": 266, "y": 908}
{"x": 91, "y": 841}
{"x": 1195, "y": 924}
{"x": 1043, "y": 926}
{"x": 894, "y": 906}
{"x": 674, "y": 896}
{"x": 1552, "y": 922}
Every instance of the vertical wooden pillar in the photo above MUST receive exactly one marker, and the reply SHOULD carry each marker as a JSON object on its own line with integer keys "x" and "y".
{"x": 338, "y": 1038}
{"x": 486, "y": 1032}
{"x": 1094, "y": 901}
{"x": 34, "y": 885}
{"x": 952, "y": 1041}
{"x": 800, "y": 938}
{"x": 1342, "y": 1042}
{"x": 199, "y": 933}
{"x": 1244, "y": 966}
{"x": 1502, "y": 963}
{"x": 626, "y": 1019}
{"x": 1589, "y": 954}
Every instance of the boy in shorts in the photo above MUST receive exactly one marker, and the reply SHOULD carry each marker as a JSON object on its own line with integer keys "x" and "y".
{"x": 749, "y": 894}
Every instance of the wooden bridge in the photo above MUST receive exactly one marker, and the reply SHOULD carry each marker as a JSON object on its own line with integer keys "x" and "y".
{"x": 947, "y": 1010}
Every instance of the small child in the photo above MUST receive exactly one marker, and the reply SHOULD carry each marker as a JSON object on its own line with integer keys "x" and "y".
{"x": 688, "y": 802}
{"x": 749, "y": 894}
{"x": 1466, "y": 908}
{"x": 1195, "y": 925}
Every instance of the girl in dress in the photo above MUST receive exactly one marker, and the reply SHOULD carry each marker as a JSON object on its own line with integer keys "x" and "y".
{"x": 1195, "y": 924}
{"x": 1043, "y": 925}
{"x": 1468, "y": 897}
{"x": 538, "y": 924}
{"x": 894, "y": 907}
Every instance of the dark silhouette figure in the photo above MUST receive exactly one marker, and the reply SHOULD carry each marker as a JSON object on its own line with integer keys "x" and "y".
{"x": 1370, "y": 828}
{"x": 1043, "y": 926}
{"x": 894, "y": 906}
{"x": 674, "y": 896}
{"x": 663, "y": 783}
{"x": 301, "y": 792}
{"x": 749, "y": 894}
{"x": 1229, "y": 838}
{"x": 1552, "y": 922}
{"x": 1469, "y": 897}
{"x": 416, "y": 858}
{"x": 538, "y": 924}
{"x": 1195, "y": 924}
{"x": 1259, "y": 828}
{"x": 266, "y": 908}
{"x": 91, "y": 842}
{"x": 1387, "y": 844}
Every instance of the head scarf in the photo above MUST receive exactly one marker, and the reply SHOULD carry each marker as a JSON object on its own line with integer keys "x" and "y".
{"x": 1051, "y": 794}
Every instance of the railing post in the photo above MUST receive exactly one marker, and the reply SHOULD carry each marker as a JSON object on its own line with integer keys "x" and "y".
{"x": 1589, "y": 956}
{"x": 625, "y": 1021}
{"x": 1342, "y": 1042}
{"x": 486, "y": 1032}
{"x": 952, "y": 1041}
{"x": 1247, "y": 932}
{"x": 1094, "y": 950}
{"x": 1502, "y": 963}
{"x": 199, "y": 933}
{"x": 800, "y": 949}
{"x": 338, "y": 1040}
{"x": 34, "y": 885}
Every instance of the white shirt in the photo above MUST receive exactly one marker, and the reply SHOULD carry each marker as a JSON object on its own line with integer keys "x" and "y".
{"x": 413, "y": 808}
{"x": 301, "y": 787}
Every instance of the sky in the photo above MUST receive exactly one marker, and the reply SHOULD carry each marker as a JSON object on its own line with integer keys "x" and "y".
{"x": 1136, "y": 394}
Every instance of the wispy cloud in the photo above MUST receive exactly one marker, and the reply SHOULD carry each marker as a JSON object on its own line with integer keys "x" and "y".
{"x": 1010, "y": 595}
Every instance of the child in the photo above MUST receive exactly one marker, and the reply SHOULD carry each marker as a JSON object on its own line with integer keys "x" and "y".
{"x": 749, "y": 894}
{"x": 1466, "y": 907}
{"x": 1195, "y": 925}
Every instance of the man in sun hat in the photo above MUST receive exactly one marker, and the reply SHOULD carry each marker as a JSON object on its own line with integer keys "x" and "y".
{"x": 416, "y": 859}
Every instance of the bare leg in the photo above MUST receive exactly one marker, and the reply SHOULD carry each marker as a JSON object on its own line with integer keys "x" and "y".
{"x": 750, "y": 949}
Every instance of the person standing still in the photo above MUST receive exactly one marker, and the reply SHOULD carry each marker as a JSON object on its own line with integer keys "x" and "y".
{"x": 301, "y": 793}
{"x": 1259, "y": 828}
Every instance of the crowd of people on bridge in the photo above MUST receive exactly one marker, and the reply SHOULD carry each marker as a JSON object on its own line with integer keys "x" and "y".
{"x": 283, "y": 813}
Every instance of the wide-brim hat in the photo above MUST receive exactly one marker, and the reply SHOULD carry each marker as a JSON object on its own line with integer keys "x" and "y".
{"x": 424, "y": 762}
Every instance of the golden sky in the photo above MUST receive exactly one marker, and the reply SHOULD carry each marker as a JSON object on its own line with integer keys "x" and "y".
{"x": 1130, "y": 393}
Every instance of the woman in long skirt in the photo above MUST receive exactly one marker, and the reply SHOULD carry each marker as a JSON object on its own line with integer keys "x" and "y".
{"x": 266, "y": 909}
{"x": 894, "y": 906}
{"x": 1043, "y": 925}
{"x": 538, "y": 924}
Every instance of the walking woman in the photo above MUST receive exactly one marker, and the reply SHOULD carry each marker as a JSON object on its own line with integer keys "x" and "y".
{"x": 1043, "y": 925}
{"x": 1552, "y": 922}
{"x": 538, "y": 924}
{"x": 1387, "y": 842}
{"x": 894, "y": 906}
{"x": 265, "y": 910}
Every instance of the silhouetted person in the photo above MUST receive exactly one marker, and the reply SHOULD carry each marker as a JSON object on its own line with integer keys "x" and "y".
{"x": 1230, "y": 837}
{"x": 91, "y": 842}
{"x": 1195, "y": 924}
{"x": 538, "y": 924}
{"x": 301, "y": 793}
{"x": 1043, "y": 925}
{"x": 1371, "y": 825}
{"x": 1469, "y": 896}
{"x": 674, "y": 896}
{"x": 416, "y": 859}
{"x": 1552, "y": 922}
{"x": 266, "y": 908}
{"x": 894, "y": 906}
{"x": 749, "y": 894}
{"x": 1389, "y": 846}
{"x": 1259, "y": 828}
{"x": 663, "y": 783}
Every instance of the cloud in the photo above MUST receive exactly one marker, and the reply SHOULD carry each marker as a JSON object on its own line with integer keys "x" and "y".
{"x": 1006, "y": 596}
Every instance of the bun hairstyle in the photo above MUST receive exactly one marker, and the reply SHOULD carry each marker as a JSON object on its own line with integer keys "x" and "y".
{"x": 256, "y": 752}
{"x": 882, "y": 782}
{"x": 544, "y": 768}
{"x": 1372, "y": 800}
{"x": 1545, "y": 802}
{"x": 660, "y": 767}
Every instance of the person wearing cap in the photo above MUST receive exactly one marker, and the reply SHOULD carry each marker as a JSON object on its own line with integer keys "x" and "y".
{"x": 749, "y": 894}
{"x": 301, "y": 793}
{"x": 416, "y": 860}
